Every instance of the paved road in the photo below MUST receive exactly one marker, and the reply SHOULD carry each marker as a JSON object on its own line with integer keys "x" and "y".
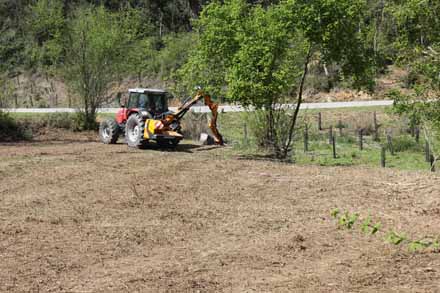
{"x": 204, "y": 109}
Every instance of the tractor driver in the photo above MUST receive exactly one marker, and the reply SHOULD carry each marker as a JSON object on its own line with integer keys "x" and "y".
{"x": 143, "y": 101}
{"x": 152, "y": 107}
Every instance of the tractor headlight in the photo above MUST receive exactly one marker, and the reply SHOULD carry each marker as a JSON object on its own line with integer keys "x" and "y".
{"x": 144, "y": 113}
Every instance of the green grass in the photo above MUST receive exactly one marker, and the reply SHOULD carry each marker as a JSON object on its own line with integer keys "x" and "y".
{"x": 409, "y": 155}
{"x": 348, "y": 154}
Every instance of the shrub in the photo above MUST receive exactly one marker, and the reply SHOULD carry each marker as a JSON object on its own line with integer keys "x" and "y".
{"x": 68, "y": 121}
{"x": 405, "y": 143}
{"x": 60, "y": 120}
{"x": 10, "y": 130}
{"x": 81, "y": 123}
{"x": 260, "y": 130}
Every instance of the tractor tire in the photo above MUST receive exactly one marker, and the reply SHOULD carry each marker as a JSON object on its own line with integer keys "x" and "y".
{"x": 134, "y": 131}
{"x": 109, "y": 131}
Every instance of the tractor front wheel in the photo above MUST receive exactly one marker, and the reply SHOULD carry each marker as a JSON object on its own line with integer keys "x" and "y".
{"x": 109, "y": 131}
{"x": 134, "y": 131}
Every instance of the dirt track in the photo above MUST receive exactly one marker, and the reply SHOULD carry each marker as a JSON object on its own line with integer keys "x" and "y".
{"x": 83, "y": 217}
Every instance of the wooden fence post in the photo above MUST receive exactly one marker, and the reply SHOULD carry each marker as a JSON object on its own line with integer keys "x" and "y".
{"x": 417, "y": 135}
{"x": 376, "y": 127}
{"x": 330, "y": 135}
{"x": 383, "y": 151}
{"x": 390, "y": 144}
{"x": 334, "y": 147}
{"x": 245, "y": 134}
{"x": 361, "y": 139}
{"x": 319, "y": 121}
{"x": 340, "y": 126}
{"x": 306, "y": 138}
{"x": 427, "y": 152}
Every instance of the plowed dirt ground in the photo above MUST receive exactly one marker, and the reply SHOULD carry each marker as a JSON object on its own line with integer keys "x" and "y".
{"x": 79, "y": 216}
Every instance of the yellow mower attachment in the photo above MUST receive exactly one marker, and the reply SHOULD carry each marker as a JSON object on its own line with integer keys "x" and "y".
{"x": 155, "y": 129}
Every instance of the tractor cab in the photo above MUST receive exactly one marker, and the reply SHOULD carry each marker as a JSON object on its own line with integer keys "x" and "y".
{"x": 150, "y": 103}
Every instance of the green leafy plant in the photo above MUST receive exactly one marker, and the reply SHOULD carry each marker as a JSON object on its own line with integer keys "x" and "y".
{"x": 395, "y": 238}
{"x": 342, "y": 220}
{"x": 376, "y": 227}
{"x": 334, "y": 213}
{"x": 365, "y": 227}
{"x": 348, "y": 220}
{"x": 419, "y": 245}
{"x": 436, "y": 244}
{"x": 368, "y": 227}
{"x": 352, "y": 220}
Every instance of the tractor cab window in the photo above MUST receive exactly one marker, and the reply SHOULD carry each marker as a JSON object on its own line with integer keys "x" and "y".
{"x": 158, "y": 103}
{"x": 133, "y": 100}
{"x": 143, "y": 101}
{"x": 155, "y": 103}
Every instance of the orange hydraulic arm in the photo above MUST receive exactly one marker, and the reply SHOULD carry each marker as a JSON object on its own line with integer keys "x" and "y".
{"x": 186, "y": 106}
{"x": 213, "y": 123}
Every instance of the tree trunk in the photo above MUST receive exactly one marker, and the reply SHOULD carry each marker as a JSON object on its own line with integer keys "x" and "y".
{"x": 298, "y": 104}
{"x": 327, "y": 75}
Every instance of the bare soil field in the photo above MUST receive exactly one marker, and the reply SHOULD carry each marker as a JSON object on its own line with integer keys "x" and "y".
{"x": 79, "y": 216}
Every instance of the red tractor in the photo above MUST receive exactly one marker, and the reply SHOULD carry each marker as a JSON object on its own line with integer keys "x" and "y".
{"x": 146, "y": 117}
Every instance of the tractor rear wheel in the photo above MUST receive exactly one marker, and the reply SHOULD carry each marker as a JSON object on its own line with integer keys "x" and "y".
{"x": 134, "y": 131}
{"x": 109, "y": 131}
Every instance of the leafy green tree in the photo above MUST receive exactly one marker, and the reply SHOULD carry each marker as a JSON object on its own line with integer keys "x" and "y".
{"x": 94, "y": 58}
{"x": 419, "y": 51}
{"x": 12, "y": 34}
{"x": 259, "y": 56}
{"x": 423, "y": 105}
{"x": 174, "y": 54}
{"x": 141, "y": 59}
{"x": 46, "y": 28}
{"x": 417, "y": 24}
{"x": 6, "y": 91}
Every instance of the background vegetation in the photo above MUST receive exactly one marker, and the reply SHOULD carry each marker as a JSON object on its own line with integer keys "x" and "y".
{"x": 259, "y": 53}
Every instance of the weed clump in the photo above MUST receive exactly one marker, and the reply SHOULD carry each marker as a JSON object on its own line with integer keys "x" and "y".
{"x": 347, "y": 220}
